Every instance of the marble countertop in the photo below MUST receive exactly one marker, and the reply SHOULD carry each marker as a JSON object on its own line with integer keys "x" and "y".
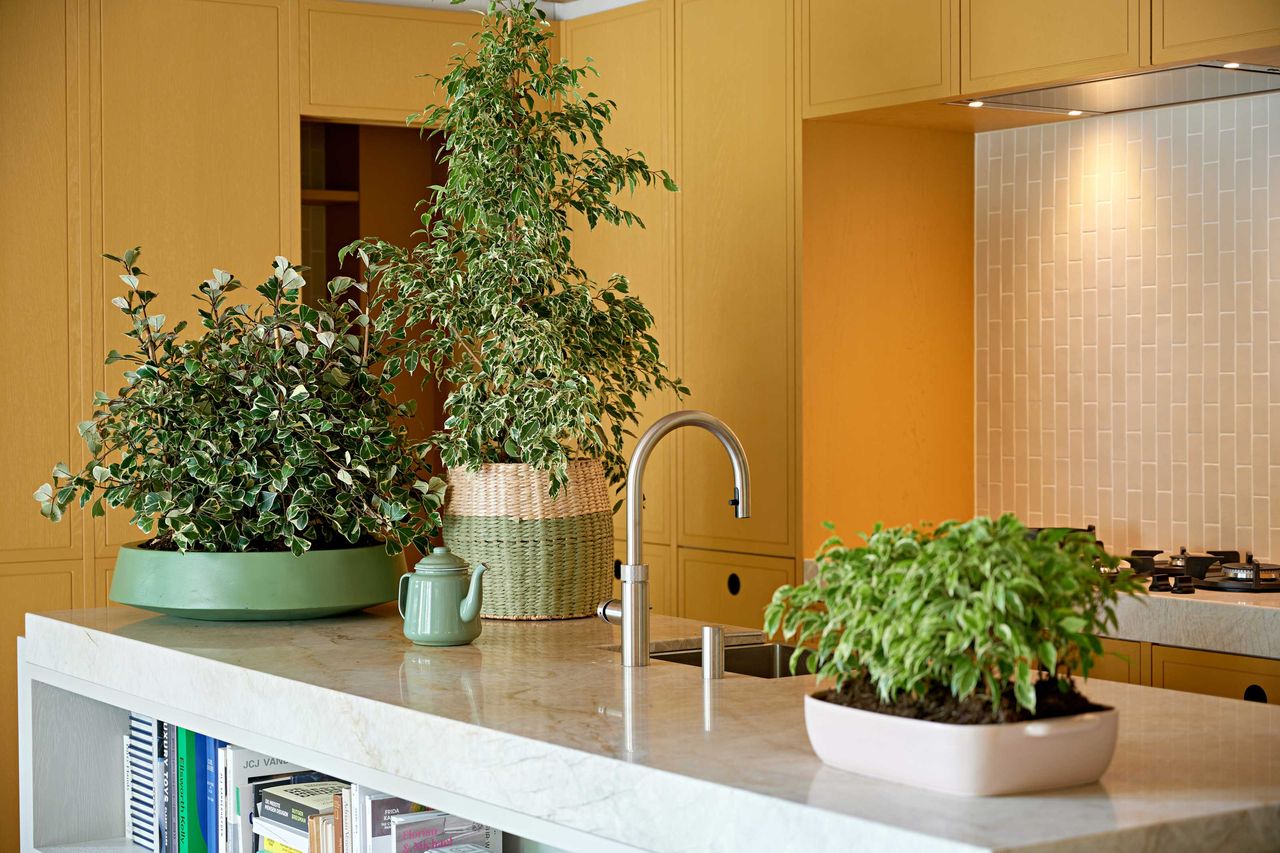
{"x": 540, "y": 718}
{"x": 1242, "y": 623}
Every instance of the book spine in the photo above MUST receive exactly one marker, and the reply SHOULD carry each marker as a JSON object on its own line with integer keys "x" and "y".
{"x": 221, "y": 800}
{"x": 270, "y": 845}
{"x": 190, "y": 793}
{"x": 171, "y": 787}
{"x": 337, "y": 822}
{"x": 128, "y": 786}
{"x": 347, "y": 846}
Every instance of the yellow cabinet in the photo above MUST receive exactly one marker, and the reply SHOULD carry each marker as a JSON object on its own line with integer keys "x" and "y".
{"x": 362, "y": 61}
{"x": 1194, "y": 29}
{"x": 662, "y": 576}
{"x": 858, "y": 54}
{"x": 630, "y": 48}
{"x": 1010, "y": 43}
{"x": 203, "y": 170}
{"x": 732, "y": 589}
{"x": 1216, "y": 674}
{"x": 736, "y": 164}
{"x": 1122, "y": 660}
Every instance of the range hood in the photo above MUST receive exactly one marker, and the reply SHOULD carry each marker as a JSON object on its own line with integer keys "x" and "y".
{"x": 1162, "y": 88}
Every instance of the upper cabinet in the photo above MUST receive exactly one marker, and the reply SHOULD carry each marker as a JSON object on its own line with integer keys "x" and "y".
{"x": 1195, "y": 29}
{"x": 859, "y": 54}
{"x": 1009, "y": 43}
{"x": 364, "y": 62}
{"x": 630, "y": 48}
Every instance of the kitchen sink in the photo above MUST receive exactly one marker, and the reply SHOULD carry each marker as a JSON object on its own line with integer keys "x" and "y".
{"x": 762, "y": 660}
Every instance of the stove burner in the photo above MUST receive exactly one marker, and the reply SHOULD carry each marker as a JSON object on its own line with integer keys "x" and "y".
{"x": 1249, "y": 576}
{"x": 1250, "y": 569}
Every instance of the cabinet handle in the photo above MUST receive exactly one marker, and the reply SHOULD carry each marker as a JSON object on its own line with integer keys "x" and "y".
{"x": 617, "y": 570}
{"x": 735, "y": 583}
{"x": 1255, "y": 693}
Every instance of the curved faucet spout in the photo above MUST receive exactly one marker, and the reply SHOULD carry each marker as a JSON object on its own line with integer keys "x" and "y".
{"x": 741, "y": 501}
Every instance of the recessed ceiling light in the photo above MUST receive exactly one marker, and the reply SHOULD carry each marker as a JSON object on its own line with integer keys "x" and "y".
{"x": 1231, "y": 65}
{"x": 1075, "y": 112}
{"x": 975, "y": 103}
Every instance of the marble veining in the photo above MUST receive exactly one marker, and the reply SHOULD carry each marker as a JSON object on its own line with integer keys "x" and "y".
{"x": 1242, "y": 623}
{"x": 540, "y": 718}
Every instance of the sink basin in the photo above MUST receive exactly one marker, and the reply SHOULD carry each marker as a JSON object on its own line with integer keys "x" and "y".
{"x": 762, "y": 660}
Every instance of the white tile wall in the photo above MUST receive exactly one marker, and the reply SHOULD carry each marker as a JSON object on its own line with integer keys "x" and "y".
{"x": 1127, "y": 310}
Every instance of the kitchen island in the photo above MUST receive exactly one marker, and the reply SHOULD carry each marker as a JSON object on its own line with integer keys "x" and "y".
{"x": 537, "y": 730}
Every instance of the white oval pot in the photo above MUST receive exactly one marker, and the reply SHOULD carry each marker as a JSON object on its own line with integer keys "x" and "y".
{"x": 969, "y": 760}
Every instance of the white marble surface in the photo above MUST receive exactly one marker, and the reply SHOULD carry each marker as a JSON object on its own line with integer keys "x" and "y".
{"x": 1241, "y": 623}
{"x": 539, "y": 718}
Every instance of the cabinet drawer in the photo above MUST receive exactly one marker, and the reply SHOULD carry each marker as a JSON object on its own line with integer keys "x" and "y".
{"x": 732, "y": 589}
{"x": 1009, "y": 43}
{"x": 661, "y": 577}
{"x": 1121, "y": 661}
{"x": 1216, "y": 674}
{"x": 1193, "y": 29}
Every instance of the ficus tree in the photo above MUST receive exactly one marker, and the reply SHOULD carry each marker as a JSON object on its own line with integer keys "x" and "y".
{"x": 541, "y": 363}
{"x": 273, "y": 430}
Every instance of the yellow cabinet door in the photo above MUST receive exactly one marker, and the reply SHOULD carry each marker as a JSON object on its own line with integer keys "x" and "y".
{"x": 630, "y": 48}
{"x": 1216, "y": 674}
{"x": 202, "y": 169}
{"x": 1008, "y": 43}
{"x": 858, "y": 54}
{"x": 662, "y": 576}
{"x": 1194, "y": 29}
{"x": 1121, "y": 661}
{"x": 732, "y": 589}
{"x": 736, "y": 162}
{"x": 362, "y": 61}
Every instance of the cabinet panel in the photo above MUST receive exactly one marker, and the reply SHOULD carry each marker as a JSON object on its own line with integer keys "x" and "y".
{"x": 1194, "y": 29}
{"x": 1121, "y": 661}
{"x": 736, "y": 166}
{"x": 202, "y": 172}
{"x": 1216, "y": 674}
{"x": 1015, "y": 43}
{"x": 857, "y": 54}
{"x": 662, "y": 576}
{"x": 42, "y": 394}
{"x": 362, "y": 61}
{"x": 732, "y": 589}
{"x": 631, "y": 50}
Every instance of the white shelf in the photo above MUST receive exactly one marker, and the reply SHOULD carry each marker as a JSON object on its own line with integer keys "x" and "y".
{"x": 106, "y": 845}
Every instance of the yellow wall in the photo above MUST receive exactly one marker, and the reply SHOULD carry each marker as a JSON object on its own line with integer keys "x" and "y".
{"x": 887, "y": 327}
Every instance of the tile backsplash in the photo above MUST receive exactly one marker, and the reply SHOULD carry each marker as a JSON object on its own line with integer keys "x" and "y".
{"x": 1127, "y": 325}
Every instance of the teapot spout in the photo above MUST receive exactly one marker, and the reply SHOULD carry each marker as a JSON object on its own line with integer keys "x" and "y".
{"x": 470, "y": 607}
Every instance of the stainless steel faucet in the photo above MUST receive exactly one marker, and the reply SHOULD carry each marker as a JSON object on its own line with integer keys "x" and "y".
{"x": 632, "y": 612}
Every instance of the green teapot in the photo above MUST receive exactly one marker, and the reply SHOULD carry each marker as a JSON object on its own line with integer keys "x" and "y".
{"x": 439, "y": 604}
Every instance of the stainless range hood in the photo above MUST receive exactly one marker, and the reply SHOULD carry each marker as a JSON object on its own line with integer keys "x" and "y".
{"x": 1165, "y": 87}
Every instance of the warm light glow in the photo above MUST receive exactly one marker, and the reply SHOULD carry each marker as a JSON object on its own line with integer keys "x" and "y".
{"x": 975, "y": 103}
{"x": 1075, "y": 112}
{"x": 1231, "y": 65}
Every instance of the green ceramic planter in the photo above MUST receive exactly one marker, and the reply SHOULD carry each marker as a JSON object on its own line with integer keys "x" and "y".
{"x": 255, "y": 586}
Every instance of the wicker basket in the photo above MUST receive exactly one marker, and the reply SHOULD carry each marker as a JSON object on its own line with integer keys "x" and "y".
{"x": 547, "y": 558}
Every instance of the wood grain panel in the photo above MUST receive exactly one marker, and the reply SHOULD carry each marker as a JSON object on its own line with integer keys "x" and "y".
{"x": 1007, "y": 43}
{"x": 1121, "y": 661}
{"x": 43, "y": 388}
{"x": 858, "y": 54}
{"x": 631, "y": 50}
{"x": 736, "y": 132}
{"x": 202, "y": 172}
{"x": 1216, "y": 674}
{"x": 1193, "y": 29}
{"x": 363, "y": 62}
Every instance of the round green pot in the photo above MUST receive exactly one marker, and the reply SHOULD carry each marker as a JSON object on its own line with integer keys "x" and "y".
{"x": 256, "y": 585}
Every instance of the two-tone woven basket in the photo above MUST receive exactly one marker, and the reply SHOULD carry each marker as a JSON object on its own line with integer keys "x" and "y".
{"x": 547, "y": 558}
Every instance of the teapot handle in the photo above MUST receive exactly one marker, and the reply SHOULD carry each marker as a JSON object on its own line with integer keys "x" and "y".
{"x": 400, "y": 593}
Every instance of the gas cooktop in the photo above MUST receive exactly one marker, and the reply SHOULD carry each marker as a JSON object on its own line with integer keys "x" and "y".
{"x": 1184, "y": 572}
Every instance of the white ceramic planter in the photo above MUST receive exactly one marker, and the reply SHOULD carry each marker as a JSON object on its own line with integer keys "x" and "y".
{"x": 973, "y": 760}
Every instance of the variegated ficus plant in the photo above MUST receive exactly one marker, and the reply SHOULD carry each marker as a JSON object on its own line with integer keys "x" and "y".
{"x": 273, "y": 430}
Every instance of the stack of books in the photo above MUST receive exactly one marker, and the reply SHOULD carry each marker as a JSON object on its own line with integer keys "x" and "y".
{"x": 189, "y": 793}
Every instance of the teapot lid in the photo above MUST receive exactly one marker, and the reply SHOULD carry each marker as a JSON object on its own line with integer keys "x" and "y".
{"x": 441, "y": 559}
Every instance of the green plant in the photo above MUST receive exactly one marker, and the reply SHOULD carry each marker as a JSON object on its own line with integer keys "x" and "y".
{"x": 969, "y": 608}
{"x": 270, "y": 431}
{"x": 542, "y": 364}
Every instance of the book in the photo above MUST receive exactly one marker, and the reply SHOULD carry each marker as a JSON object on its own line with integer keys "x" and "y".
{"x": 144, "y": 791}
{"x": 376, "y": 813}
{"x": 248, "y": 772}
{"x": 347, "y": 846}
{"x": 320, "y": 833}
{"x": 435, "y": 830}
{"x": 268, "y": 828}
{"x": 223, "y": 838}
{"x": 338, "y": 800}
{"x": 171, "y": 787}
{"x": 270, "y": 845}
{"x": 293, "y": 804}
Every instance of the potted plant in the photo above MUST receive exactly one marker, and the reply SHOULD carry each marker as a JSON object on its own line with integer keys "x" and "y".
{"x": 263, "y": 458}
{"x": 950, "y": 653}
{"x": 543, "y": 366}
